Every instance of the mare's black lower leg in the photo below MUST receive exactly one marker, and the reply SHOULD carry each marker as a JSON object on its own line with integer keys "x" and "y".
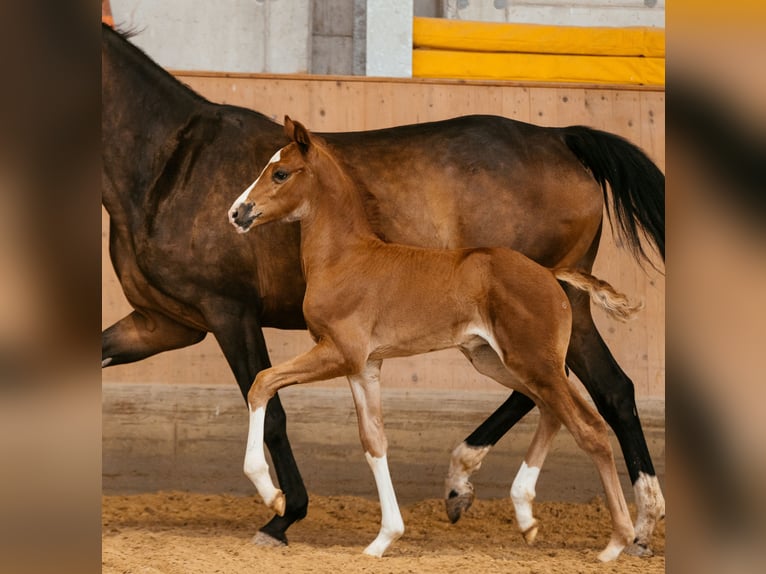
{"x": 501, "y": 421}
{"x": 288, "y": 475}
{"x": 615, "y": 400}
{"x": 247, "y": 355}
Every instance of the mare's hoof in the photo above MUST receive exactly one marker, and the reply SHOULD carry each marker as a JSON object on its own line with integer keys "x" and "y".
{"x": 530, "y": 534}
{"x": 637, "y": 549}
{"x": 263, "y": 539}
{"x": 457, "y": 504}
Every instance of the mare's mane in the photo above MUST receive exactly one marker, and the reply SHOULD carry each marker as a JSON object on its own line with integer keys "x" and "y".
{"x": 152, "y": 67}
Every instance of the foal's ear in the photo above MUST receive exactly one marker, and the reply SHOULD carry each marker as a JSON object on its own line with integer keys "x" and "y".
{"x": 298, "y": 133}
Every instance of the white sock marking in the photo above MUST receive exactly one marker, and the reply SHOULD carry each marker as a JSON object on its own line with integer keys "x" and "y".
{"x": 523, "y": 493}
{"x": 391, "y": 523}
{"x": 651, "y": 506}
{"x": 256, "y": 467}
{"x": 464, "y": 462}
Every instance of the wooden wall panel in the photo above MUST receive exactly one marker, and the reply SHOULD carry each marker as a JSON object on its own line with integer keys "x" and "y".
{"x": 352, "y": 103}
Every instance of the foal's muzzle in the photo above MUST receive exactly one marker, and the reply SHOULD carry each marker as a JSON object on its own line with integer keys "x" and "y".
{"x": 242, "y": 216}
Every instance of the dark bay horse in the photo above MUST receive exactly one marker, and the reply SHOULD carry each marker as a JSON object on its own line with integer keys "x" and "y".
{"x": 172, "y": 158}
{"x": 368, "y": 300}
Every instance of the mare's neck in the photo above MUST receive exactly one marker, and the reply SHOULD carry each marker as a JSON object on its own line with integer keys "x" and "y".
{"x": 336, "y": 223}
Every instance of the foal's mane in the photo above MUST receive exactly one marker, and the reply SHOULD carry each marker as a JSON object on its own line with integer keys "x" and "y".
{"x": 370, "y": 203}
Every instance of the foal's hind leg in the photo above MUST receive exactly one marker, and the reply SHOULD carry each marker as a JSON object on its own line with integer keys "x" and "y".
{"x": 523, "y": 488}
{"x": 467, "y": 457}
{"x": 590, "y": 432}
{"x": 485, "y": 360}
{"x": 366, "y": 390}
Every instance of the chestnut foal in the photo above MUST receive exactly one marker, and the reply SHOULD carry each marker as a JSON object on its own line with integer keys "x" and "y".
{"x": 367, "y": 300}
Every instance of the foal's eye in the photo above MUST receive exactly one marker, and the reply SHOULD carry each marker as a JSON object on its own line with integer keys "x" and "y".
{"x": 280, "y": 175}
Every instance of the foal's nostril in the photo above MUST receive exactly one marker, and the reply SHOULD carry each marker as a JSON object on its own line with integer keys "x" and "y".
{"x": 234, "y": 214}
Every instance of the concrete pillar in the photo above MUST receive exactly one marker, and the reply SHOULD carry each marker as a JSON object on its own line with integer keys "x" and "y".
{"x": 387, "y": 37}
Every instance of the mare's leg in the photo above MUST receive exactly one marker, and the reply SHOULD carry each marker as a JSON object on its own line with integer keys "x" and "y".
{"x": 523, "y": 488}
{"x": 142, "y": 334}
{"x": 467, "y": 456}
{"x": 365, "y": 388}
{"x": 324, "y": 361}
{"x": 244, "y": 347}
{"x": 614, "y": 397}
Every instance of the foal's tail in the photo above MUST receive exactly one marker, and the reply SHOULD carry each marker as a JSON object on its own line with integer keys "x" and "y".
{"x": 602, "y": 293}
{"x": 638, "y": 186}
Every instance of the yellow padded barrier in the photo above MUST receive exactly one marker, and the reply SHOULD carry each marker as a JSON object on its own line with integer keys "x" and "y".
{"x": 444, "y": 34}
{"x": 538, "y": 67}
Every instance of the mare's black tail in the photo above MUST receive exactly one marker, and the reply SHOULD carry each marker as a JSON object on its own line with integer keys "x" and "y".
{"x": 638, "y": 186}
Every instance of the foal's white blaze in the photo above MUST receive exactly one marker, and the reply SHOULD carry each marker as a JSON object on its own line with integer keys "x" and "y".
{"x": 256, "y": 467}
{"x": 391, "y": 523}
{"x": 523, "y": 493}
{"x": 106, "y": 362}
{"x": 243, "y": 198}
{"x": 238, "y": 202}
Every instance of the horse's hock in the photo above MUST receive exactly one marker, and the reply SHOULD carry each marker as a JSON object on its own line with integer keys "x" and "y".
{"x": 177, "y": 420}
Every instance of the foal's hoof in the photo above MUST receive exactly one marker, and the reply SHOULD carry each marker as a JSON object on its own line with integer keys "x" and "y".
{"x": 456, "y": 504}
{"x": 638, "y": 549}
{"x": 263, "y": 539}
{"x": 278, "y": 504}
{"x": 530, "y": 534}
{"x": 612, "y": 551}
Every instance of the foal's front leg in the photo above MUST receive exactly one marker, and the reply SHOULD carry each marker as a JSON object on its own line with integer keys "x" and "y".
{"x": 322, "y": 362}
{"x": 365, "y": 388}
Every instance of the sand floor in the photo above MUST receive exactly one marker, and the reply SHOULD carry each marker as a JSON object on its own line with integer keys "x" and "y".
{"x": 184, "y": 533}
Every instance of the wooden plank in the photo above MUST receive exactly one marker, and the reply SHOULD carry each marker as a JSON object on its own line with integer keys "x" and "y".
{"x": 598, "y": 104}
{"x": 267, "y": 76}
{"x": 570, "y": 107}
{"x": 516, "y": 102}
{"x": 193, "y": 437}
{"x": 653, "y": 126}
{"x": 543, "y": 106}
